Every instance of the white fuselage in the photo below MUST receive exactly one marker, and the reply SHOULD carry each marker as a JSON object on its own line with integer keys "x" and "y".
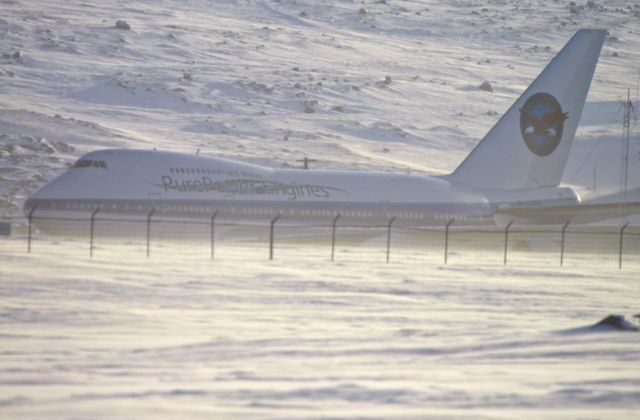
{"x": 514, "y": 172}
{"x": 133, "y": 182}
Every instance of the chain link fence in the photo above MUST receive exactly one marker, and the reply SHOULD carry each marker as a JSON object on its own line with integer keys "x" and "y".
{"x": 217, "y": 237}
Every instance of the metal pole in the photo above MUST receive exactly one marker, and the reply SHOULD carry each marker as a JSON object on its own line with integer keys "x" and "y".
{"x": 564, "y": 230}
{"x": 389, "y": 237}
{"x": 149, "y": 230}
{"x": 506, "y": 241}
{"x": 446, "y": 240}
{"x": 93, "y": 216}
{"x": 273, "y": 222}
{"x": 333, "y": 236}
{"x": 213, "y": 227}
{"x": 33, "y": 209}
{"x": 621, "y": 243}
{"x": 628, "y": 106}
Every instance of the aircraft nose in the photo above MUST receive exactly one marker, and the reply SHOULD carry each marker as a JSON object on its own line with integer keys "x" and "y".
{"x": 26, "y": 208}
{"x": 30, "y": 205}
{"x": 50, "y": 191}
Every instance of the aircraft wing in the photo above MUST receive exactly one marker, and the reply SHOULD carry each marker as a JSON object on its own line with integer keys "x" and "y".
{"x": 577, "y": 213}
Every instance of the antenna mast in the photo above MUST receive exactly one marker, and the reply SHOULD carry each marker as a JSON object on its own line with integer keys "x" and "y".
{"x": 626, "y": 132}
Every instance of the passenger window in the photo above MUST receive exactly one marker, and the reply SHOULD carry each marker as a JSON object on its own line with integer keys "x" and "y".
{"x": 82, "y": 163}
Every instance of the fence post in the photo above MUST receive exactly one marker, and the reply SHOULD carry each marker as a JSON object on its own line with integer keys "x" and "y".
{"x": 333, "y": 236}
{"x": 389, "y": 237}
{"x": 93, "y": 217}
{"x": 213, "y": 227}
{"x": 273, "y": 223}
{"x": 446, "y": 240}
{"x": 33, "y": 209}
{"x": 149, "y": 230}
{"x": 621, "y": 243}
{"x": 506, "y": 240}
{"x": 564, "y": 230}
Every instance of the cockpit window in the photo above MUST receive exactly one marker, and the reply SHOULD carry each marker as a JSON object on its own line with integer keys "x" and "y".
{"x": 84, "y": 163}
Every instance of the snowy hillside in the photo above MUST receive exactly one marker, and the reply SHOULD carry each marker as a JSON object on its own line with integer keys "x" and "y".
{"x": 383, "y": 84}
{"x": 389, "y": 84}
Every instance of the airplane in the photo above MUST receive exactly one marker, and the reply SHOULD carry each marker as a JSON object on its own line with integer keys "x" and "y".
{"x": 513, "y": 174}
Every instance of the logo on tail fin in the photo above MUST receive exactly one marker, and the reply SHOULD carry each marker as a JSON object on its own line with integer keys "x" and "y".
{"x": 541, "y": 123}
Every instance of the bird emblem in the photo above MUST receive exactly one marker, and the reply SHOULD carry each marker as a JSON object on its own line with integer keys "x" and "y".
{"x": 541, "y": 123}
{"x": 543, "y": 126}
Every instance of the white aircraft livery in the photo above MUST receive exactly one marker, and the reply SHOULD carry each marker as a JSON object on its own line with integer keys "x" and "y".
{"x": 513, "y": 173}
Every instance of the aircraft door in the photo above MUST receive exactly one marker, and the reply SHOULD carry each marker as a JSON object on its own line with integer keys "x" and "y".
{"x": 230, "y": 206}
{"x": 154, "y": 200}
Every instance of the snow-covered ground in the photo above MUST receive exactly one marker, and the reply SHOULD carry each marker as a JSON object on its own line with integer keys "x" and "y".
{"x": 383, "y": 84}
{"x": 196, "y": 339}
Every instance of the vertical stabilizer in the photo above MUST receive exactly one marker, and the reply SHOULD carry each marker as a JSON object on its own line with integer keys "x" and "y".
{"x": 529, "y": 146}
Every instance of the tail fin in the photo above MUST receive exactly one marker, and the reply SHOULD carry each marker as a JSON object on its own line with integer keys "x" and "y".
{"x": 529, "y": 146}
